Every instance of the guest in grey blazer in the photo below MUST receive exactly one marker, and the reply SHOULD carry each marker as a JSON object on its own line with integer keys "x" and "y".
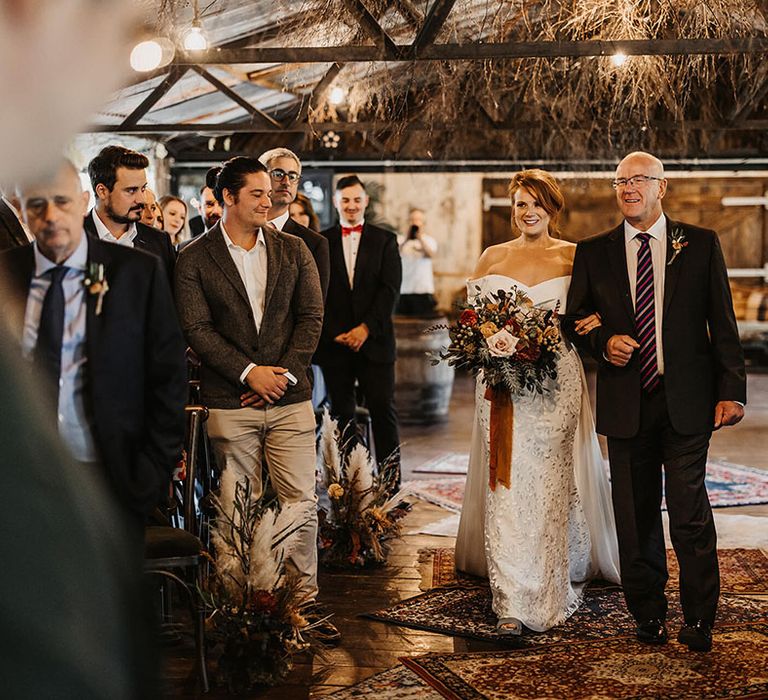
{"x": 251, "y": 307}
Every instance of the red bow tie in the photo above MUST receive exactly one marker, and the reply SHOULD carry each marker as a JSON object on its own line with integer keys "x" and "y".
{"x": 346, "y": 230}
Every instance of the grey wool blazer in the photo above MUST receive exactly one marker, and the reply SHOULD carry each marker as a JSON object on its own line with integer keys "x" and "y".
{"x": 218, "y": 322}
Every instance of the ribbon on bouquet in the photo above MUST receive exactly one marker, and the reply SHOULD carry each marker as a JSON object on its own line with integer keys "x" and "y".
{"x": 502, "y": 432}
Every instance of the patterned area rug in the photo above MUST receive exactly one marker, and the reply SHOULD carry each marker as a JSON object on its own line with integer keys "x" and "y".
{"x": 741, "y": 570}
{"x": 728, "y": 484}
{"x": 737, "y": 667}
{"x": 466, "y": 612}
{"x": 398, "y": 683}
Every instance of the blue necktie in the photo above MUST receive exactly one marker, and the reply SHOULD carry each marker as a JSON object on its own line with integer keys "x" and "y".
{"x": 47, "y": 354}
{"x": 645, "y": 316}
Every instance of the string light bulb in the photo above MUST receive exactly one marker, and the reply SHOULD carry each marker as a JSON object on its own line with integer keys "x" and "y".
{"x": 619, "y": 58}
{"x": 337, "y": 96}
{"x": 146, "y": 56}
{"x": 194, "y": 38}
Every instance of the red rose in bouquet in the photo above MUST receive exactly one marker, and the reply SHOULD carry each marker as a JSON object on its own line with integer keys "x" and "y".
{"x": 468, "y": 317}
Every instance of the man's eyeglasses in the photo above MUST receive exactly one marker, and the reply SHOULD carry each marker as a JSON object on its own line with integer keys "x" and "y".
{"x": 278, "y": 174}
{"x": 634, "y": 181}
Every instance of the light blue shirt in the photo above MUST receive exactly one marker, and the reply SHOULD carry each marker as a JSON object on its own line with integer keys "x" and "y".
{"x": 74, "y": 427}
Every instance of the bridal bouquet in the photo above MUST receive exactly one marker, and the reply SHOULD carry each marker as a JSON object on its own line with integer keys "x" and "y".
{"x": 255, "y": 623}
{"x": 357, "y": 517}
{"x": 503, "y": 334}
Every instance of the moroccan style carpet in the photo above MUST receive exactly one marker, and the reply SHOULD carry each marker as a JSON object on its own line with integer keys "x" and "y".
{"x": 737, "y": 667}
{"x": 398, "y": 683}
{"x": 728, "y": 484}
{"x": 742, "y": 571}
{"x": 466, "y": 612}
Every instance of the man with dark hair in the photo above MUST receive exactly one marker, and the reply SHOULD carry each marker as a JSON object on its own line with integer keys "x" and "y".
{"x": 98, "y": 323}
{"x": 250, "y": 305}
{"x": 119, "y": 180}
{"x": 358, "y": 339}
{"x": 284, "y": 167}
{"x": 209, "y": 209}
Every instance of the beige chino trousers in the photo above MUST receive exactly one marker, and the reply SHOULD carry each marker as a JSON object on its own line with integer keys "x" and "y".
{"x": 285, "y": 436}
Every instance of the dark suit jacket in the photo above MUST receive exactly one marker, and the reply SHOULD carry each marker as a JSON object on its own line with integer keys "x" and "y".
{"x": 218, "y": 322}
{"x": 136, "y": 370}
{"x": 147, "y": 238}
{"x": 11, "y": 231}
{"x": 196, "y": 226}
{"x": 703, "y": 358}
{"x": 318, "y": 246}
{"x": 378, "y": 273}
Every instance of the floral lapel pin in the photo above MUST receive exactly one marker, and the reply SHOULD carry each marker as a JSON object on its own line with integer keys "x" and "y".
{"x": 677, "y": 238}
{"x": 96, "y": 284}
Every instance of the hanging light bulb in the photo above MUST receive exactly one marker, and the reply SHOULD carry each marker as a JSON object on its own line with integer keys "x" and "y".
{"x": 619, "y": 58}
{"x": 194, "y": 38}
{"x": 337, "y": 95}
{"x": 146, "y": 56}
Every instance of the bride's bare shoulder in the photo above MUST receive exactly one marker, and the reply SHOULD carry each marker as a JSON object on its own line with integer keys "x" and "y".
{"x": 491, "y": 256}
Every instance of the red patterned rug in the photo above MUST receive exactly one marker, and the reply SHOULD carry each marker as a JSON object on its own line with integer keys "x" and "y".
{"x": 619, "y": 668}
{"x": 742, "y": 571}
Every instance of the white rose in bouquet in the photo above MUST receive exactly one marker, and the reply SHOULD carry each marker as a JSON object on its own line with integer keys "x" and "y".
{"x": 502, "y": 343}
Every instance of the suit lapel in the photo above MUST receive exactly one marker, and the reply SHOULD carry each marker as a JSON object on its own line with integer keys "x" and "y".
{"x": 18, "y": 276}
{"x": 336, "y": 253}
{"x": 217, "y": 249}
{"x": 672, "y": 272}
{"x": 97, "y": 254}
{"x": 274, "y": 243}
{"x": 617, "y": 257}
{"x": 364, "y": 250}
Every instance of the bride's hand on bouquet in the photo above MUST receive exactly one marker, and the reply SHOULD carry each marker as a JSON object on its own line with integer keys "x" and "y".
{"x": 588, "y": 324}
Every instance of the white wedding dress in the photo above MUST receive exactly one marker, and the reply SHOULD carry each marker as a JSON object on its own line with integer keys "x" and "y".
{"x": 542, "y": 539}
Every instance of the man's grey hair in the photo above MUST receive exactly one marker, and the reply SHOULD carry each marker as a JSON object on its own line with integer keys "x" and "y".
{"x": 273, "y": 153}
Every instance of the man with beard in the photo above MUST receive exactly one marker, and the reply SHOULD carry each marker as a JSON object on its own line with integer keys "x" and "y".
{"x": 119, "y": 181}
{"x": 284, "y": 168}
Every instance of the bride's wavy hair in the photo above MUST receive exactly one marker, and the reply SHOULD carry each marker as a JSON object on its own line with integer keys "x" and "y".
{"x": 545, "y": 189}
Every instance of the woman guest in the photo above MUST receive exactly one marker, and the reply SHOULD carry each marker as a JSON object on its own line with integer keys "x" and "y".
{"x": 301, "y": 210}
{"x": 174, "y": 211}
{"x": 545, "y": 526}
{"x": 417, "y": 291}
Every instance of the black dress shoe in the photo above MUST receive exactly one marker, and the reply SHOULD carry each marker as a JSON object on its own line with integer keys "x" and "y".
{"x": 652, "y": 631}
{"x": 697, "y": 636}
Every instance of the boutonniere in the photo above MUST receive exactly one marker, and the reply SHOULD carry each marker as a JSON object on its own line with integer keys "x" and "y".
{"x": 677, "y": 238}
{"x": 96, "y": 284}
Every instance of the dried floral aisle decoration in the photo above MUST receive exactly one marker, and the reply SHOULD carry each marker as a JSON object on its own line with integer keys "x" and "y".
{"x": 357, "y": 515}
{"x": 254, "y": 624}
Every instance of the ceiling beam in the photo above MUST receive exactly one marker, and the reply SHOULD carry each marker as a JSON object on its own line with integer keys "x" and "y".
{"x": 173, "y": 77}
{"x": 478, "y": 51}
{"x": 434, "y": 22}
{"x": 370, "y": 26}
{"x": 224, "y": 89}
{"x": 349, "y": 127}
{"x": 317, "y": 92}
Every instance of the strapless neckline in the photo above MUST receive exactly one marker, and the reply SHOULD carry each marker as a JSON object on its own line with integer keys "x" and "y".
{"x": 516, "y": 281}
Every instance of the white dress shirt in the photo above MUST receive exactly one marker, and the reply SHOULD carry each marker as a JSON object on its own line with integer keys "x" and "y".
{"x": 350, "y": 245}
{"x": 658, "y": 245}
{"x": 279, "y": 222}
{"x": 106, "y": 235}
{"x": 74, "y": 427}
{"x": 252, "y": 266}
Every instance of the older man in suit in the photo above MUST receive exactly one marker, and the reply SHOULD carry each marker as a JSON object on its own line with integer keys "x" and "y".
{"x": 98, "y": 323}
{"x": 358, "y": 339}
{"x": 119, "y": 181}
{"x": 250, "y": 305}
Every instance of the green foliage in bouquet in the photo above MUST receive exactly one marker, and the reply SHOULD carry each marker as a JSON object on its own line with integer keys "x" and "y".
{"x": 254, "y": 619}
{"x": 502, "y": 334}
{"x": 357, "y": 517}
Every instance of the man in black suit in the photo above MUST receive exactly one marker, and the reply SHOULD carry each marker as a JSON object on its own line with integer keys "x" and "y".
{"x": 671, "y": 370}
{"x": 12, "y": 233}
{"x": 209, "y": 208}
{"x": 284, "y": 168}
{"x": 119, "y": 180}
{"x": 98, "y": 323}
{"x": 358, "y": 339}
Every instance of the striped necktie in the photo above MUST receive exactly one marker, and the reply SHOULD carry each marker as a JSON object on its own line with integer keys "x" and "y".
{"x": 645, "y": 316}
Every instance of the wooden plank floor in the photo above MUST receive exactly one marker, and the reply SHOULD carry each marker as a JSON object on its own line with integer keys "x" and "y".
{"x": 369, "y": 646}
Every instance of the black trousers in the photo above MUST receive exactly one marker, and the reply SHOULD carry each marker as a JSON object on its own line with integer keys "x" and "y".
{"x": 377, "y": 384}
{"x": 637, "y": 486}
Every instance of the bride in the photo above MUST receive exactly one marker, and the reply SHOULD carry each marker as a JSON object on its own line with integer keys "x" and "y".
{"x": 540, "y": 540}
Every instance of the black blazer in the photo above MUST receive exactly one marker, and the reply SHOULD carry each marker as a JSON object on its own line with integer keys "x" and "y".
{"x": 136, "y": 369}
{"x": 703, "y": 358}
{"x": 147, "y": 238}
{"x": 217, "y": 318}
{"x": 318, "y": 246}
{"x": 11, "y": 231}
{"x": 372, "y": 300}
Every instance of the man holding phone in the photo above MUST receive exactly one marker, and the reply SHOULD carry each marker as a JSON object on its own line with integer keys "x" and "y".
{"x": 250, "y": 305}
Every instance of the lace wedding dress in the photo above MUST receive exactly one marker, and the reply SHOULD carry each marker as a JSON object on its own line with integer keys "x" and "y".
{"x": 543, "y": 538}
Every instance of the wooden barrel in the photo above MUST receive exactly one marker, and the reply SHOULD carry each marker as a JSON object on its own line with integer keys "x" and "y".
{"x": 422, "y": 390}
